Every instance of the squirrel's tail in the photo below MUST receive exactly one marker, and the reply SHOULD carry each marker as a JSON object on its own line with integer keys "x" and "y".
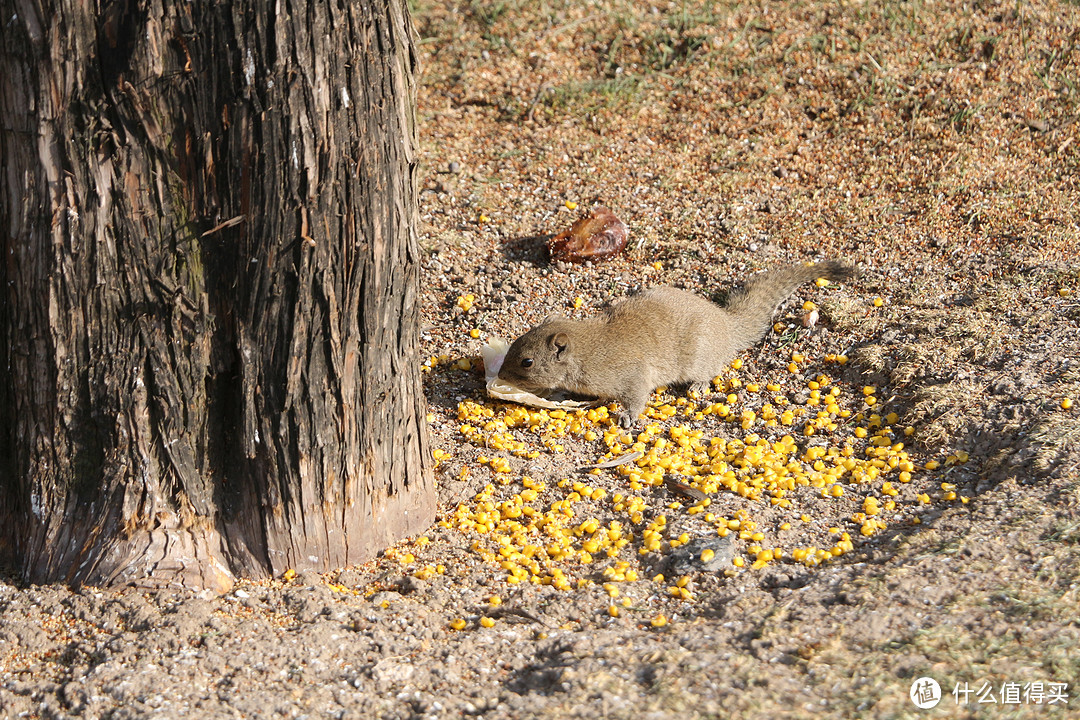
{"x": 755, "y": 303}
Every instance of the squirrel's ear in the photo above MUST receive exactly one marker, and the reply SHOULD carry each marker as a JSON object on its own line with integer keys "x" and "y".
{"x": 559, "y": 343}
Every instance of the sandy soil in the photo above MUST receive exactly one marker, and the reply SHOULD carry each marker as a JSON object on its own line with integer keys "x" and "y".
{"x": 932, "y": 144}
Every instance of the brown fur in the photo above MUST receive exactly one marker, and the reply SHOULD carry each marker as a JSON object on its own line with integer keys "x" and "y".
{"x": 661, "y": 337}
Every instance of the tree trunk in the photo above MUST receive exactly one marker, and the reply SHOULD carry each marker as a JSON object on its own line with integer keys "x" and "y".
{"x": 208, "y": 363}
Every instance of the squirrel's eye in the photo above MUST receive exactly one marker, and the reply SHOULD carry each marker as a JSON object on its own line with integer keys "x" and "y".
{"x": 526, "y": 362}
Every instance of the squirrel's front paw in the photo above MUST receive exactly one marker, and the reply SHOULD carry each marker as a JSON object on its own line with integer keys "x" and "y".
{"x": 701, "y": 389}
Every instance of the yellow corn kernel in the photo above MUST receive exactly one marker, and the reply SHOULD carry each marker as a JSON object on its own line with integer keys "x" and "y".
{"x": 659, "y": 621}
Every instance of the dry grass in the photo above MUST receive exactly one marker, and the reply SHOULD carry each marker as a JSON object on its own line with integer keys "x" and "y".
{"x": 1058, "y": 442}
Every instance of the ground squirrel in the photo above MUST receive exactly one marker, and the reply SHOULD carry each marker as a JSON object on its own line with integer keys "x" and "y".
{"x": 661, "y": 337}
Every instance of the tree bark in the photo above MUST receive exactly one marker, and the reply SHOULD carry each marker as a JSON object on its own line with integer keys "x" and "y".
{"x": 208, "y": 322}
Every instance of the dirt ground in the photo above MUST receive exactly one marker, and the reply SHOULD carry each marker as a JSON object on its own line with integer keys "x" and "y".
{"x": 891, "y": 494}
